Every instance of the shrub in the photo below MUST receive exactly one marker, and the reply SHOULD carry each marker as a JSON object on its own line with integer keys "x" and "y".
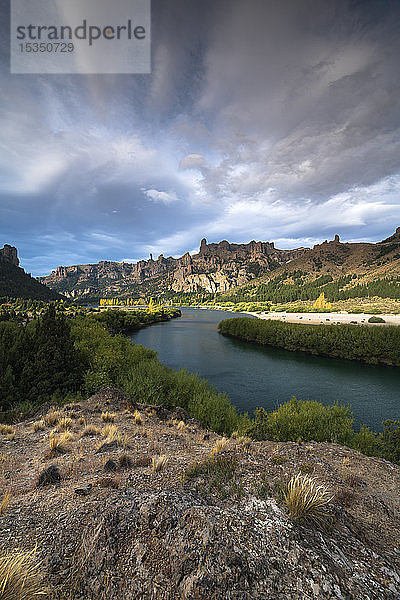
{"x": 376, "y": 320}
{"x": 390, "y": 440}
{"x": 110, "y": 432}
{"x": 21, "y": 577}
{"x": 305, "y": 419}
{"x": 306, "y": 500}
{"x": 124, "y": 460}
{"x": 366, "y": 441}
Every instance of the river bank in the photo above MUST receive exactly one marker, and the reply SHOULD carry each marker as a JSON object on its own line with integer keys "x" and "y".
{"x": 331, "y": 318}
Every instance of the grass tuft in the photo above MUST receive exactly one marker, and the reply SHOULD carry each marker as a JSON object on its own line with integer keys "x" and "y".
{"x": 108, "y": 417}
{"x": 21, "y": 576}
{"x": 39, "y": 425}
{"x": 220, "y": 446}
{"x": 3, "y": 507}
{"x": 90, "y": 430}
{"x": 52, "y": 417}
{"x": 6, "y": 429}
{"x": 158, "y": 463}
{"x": 59, "y": 444}
{"x": 306, "y": 500}
{"x": 138, "y": 418}
{"x": 64, "y": 424}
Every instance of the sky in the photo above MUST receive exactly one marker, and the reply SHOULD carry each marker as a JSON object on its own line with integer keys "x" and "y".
{"x": 265, "y": 120}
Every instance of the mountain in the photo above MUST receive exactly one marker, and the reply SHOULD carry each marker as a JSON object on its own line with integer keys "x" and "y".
{"x": 341, "y": 269}
{"x": 223, "y": 267}
{"x": 14, "y": 282}
{"x": 216, "y": 268}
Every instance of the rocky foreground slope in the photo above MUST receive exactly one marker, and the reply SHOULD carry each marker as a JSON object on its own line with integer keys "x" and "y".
{"x": 107, "y": 527}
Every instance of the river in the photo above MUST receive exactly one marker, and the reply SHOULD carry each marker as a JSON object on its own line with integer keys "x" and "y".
{"x": 261, "y": 376}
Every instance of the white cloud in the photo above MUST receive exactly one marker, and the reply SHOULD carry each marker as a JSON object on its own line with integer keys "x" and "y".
{"x": 163, "y": 197}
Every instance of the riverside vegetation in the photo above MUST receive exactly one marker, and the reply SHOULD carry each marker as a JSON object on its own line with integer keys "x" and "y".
{"x": 60, "y": 359}
{"x": 374, "y": 345}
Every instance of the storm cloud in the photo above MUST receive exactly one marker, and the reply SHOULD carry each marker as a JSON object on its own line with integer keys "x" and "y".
{"x": 260, "y": 120}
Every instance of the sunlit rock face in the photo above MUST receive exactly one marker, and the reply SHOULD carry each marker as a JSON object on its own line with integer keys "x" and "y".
{"x": 216, "y": 268}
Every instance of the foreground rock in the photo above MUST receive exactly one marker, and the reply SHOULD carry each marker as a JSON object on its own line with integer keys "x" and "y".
{"x": 164, "y": 535}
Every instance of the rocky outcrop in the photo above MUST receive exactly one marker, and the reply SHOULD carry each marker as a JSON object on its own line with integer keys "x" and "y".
{"x": 10, "y": 254}
{"x": 134, "y": 534}
{"x": 216, "y": 268}
{"x": 15, "y": 283}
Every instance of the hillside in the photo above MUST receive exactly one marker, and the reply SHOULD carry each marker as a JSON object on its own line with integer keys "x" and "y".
{"x": 14, "y": 282}
{"x": 107, "y": 527}
{"x": 216, "y": 268}
{"x": 339, "y": 269}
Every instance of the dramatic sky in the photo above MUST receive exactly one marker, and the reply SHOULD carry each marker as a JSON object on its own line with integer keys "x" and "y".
{"x": 262, "y": 119}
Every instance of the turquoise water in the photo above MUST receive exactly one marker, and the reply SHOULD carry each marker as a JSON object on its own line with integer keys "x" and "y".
{"x": 260, "y": 376}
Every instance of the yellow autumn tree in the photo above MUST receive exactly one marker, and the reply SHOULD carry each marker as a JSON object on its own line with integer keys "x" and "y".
{"x": 321, "y": 302}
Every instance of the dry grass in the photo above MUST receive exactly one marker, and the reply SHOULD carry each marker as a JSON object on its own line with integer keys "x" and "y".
{"x": 65, "y": 424}
{"x": 90, "y": 430}
{"x": 21, "y": 577}
{"x": 39, "y": 425}
{"x": 181, "y": 426}
{"x": 138, "y": 418}
{"x": 52, "y": 417}
{"x": 3, "y": 507}
{"x": 59, "y": 444}
{"x": 81, "y": 420}
{"x": 305, "y": 499}
{"x": 158, "y": 463}
{"x": 220, "y": 446}
{"x": 6, "y": 429}
{"x": 243, "y": 442}
{"x": 111, "y": 434}
{"x": 108, "y": 417}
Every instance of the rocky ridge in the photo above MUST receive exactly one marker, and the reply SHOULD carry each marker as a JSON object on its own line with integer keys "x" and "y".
{"x": 216, "y": 268}
{"x": 109, "y": 528}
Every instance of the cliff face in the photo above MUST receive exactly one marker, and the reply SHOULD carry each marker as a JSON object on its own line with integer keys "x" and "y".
{"x": 10, "y": 254}
{"x": 216, "y": 268}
